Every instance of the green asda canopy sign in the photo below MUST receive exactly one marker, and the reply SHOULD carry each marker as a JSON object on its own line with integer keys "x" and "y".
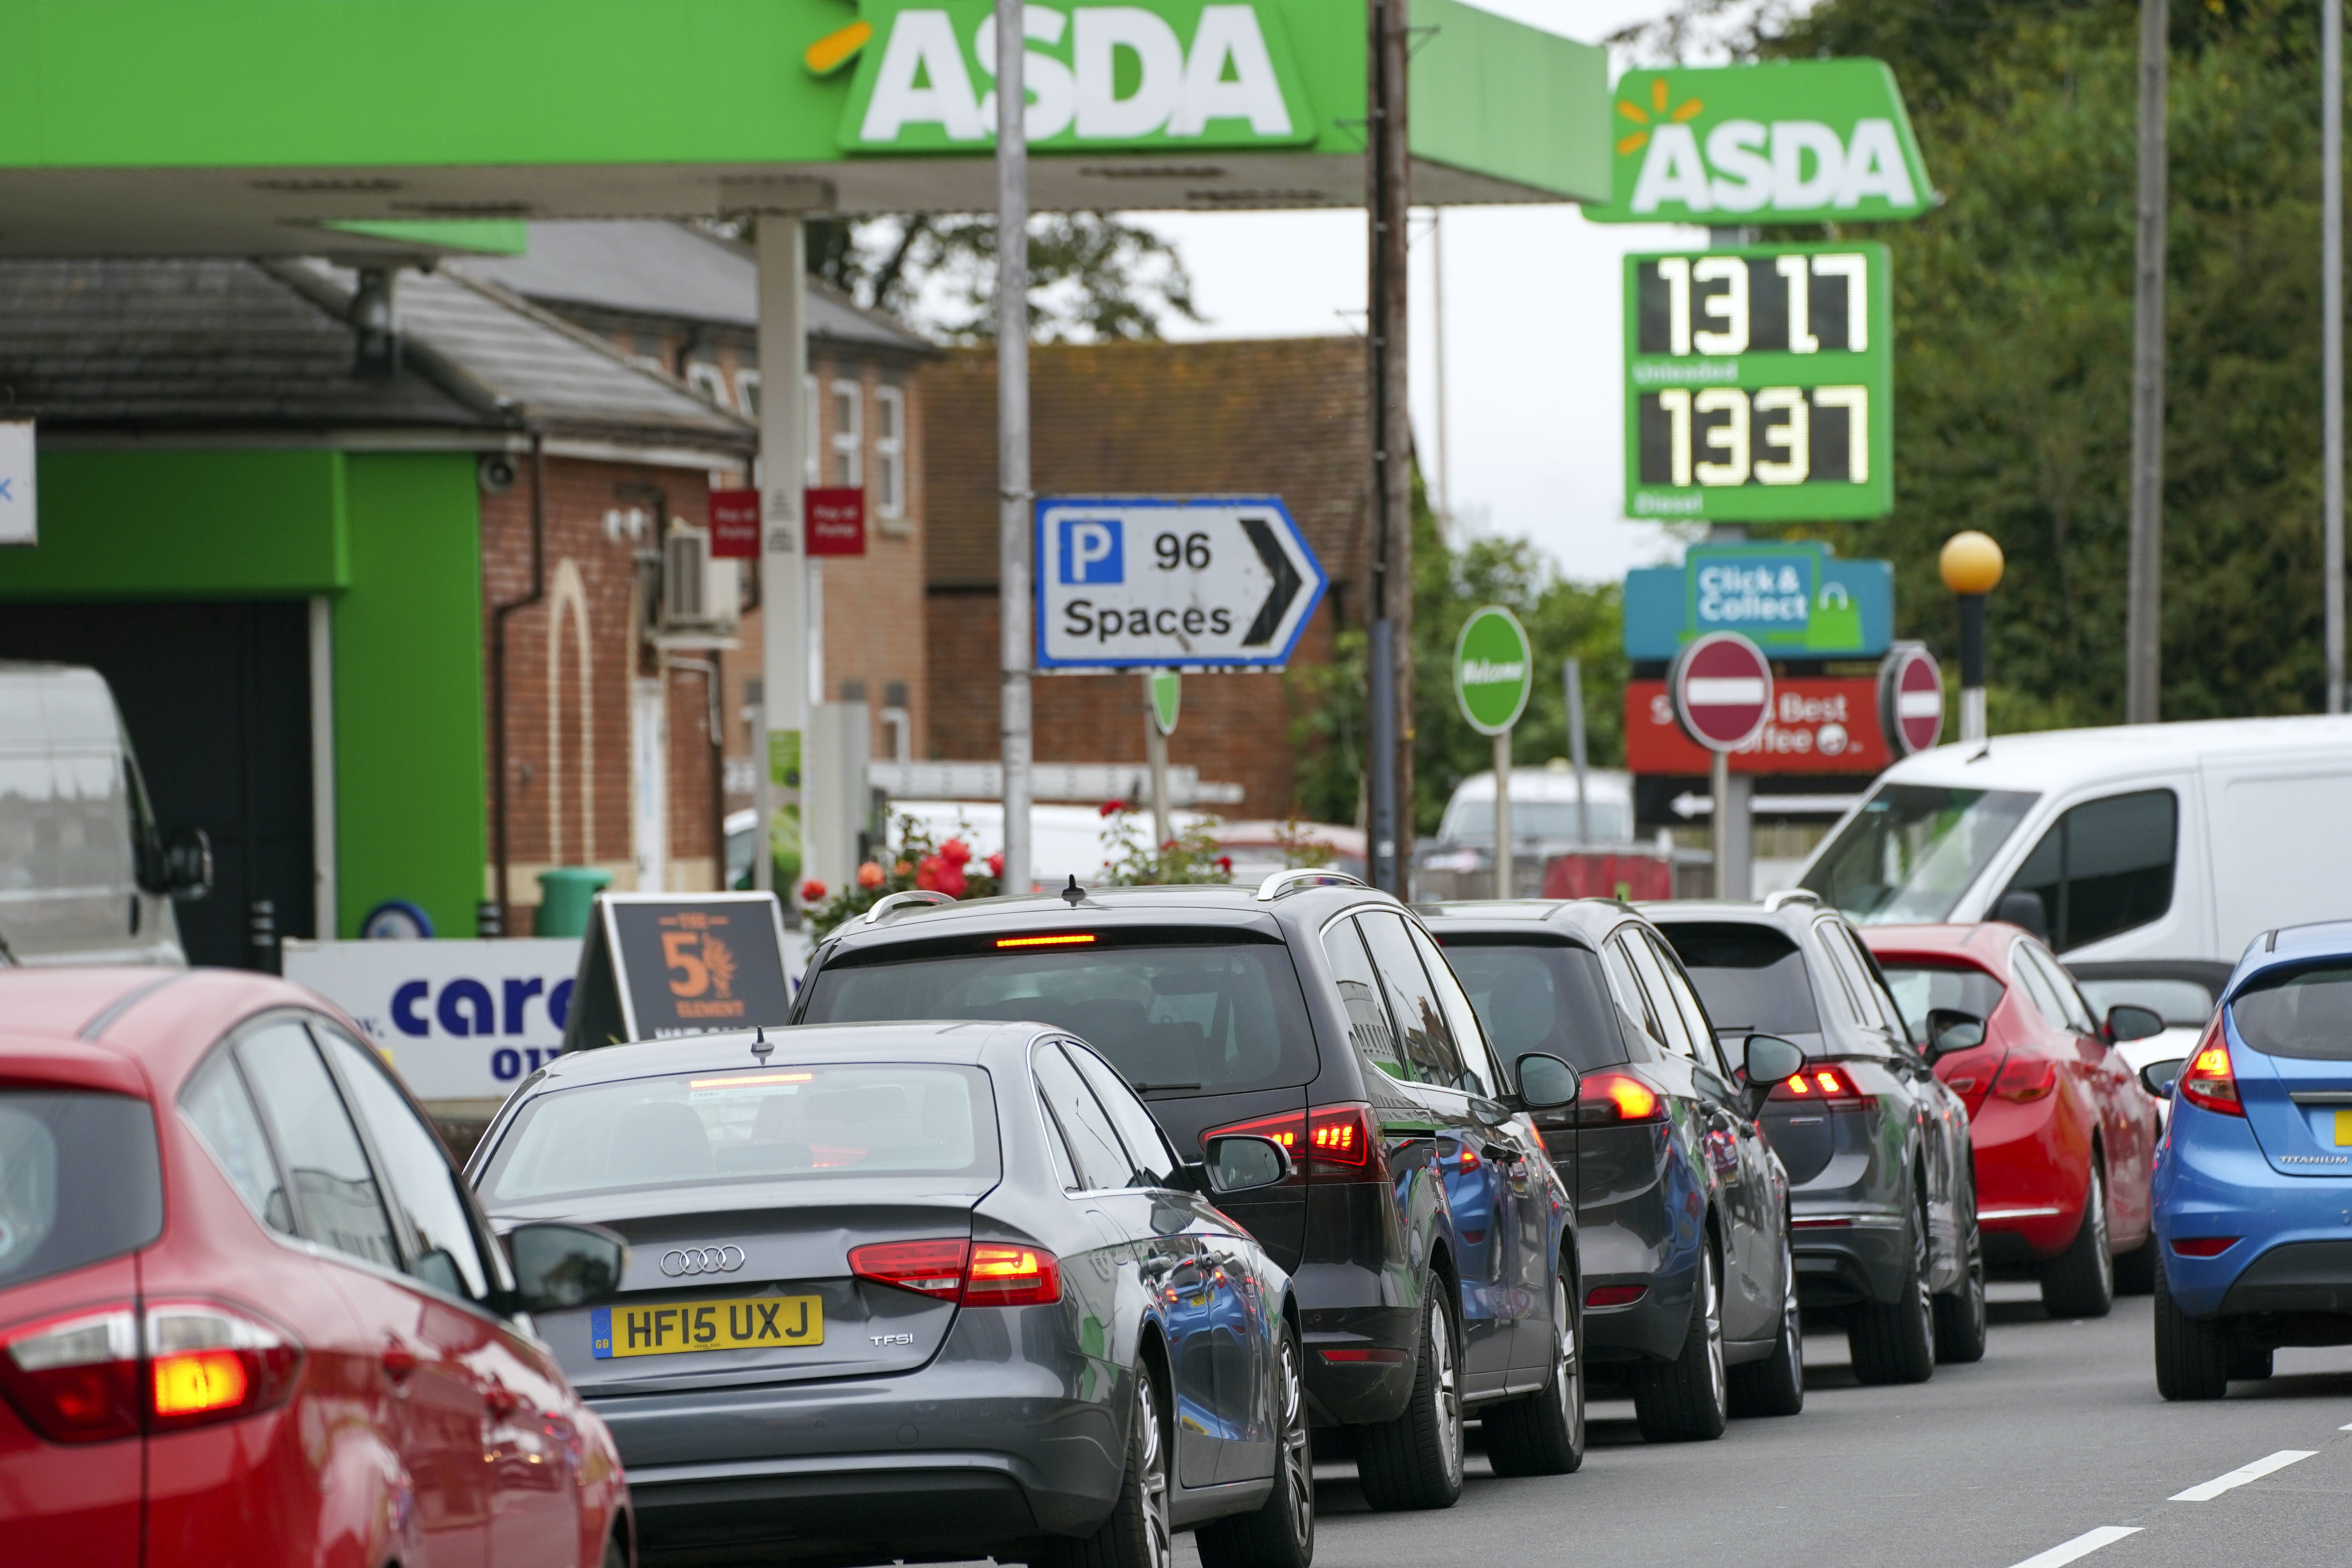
{"x": 1174, "y": 74}
{"x": 1791, "y": 142}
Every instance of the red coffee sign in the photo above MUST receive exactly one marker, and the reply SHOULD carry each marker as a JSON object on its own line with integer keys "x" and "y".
{"x": 735, "y": 524}
{"x": 1910, "y": 698}
{"x": 1722, "y": 691}
{"x": 1820, "y": 724}
{"x": 837, "y": 521}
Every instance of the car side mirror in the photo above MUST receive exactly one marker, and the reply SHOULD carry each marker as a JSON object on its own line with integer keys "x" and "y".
{"x": 2158, "y": 1077}
{"x": 560, "y": 1266}
{"x": 1243, "y": 1161}
{"x": 1767, "y": 1060}
{"x": 1545, "y": 1082}
{"x": 188, "y": 865}
{"x": 2025, "y": 909}
{"x": 2129, "y": 1021}
{"x": 1949, "y": 1030}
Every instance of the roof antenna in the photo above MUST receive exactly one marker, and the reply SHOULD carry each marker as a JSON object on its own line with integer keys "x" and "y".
{"x": 1074, "y": 893}
{"x": 762, "y": 1046}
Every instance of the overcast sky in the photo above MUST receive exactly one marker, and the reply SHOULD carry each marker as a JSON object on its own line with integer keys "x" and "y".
{"x": 1534, "y": 366}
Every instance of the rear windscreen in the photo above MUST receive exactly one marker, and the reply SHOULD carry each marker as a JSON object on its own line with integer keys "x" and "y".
{"x": 1922, "y": 988}
{"x": 1751, "y": 977}
{"x": 80, "y": 1180}
{"x": 1551, "y": 998}
{"x": 2302, "y": 1012}
{"x": 778, "y": 1124}
{"x": 1212, "y": 1019}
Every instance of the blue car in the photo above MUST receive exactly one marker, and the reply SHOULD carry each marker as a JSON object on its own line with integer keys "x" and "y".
{"x": 2254, "y": 1183}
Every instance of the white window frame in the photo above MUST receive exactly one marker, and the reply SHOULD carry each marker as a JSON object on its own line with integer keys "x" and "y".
{"x": 704, "y": 378}
{"x": 889, "y": 451}
{"x": 848, "y": 444}
{"x": 747, "y": 392}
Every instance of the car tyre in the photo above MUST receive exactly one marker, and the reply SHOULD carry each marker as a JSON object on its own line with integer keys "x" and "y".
{"x": 2080, "y": 1282}
{"x": 1960, "y": 1312}
{"x": 1687, "y": 1400}
{"x": 1136, "y": 1534}
{"x": 1542, "y": 1433}
{"x": 1776, "y": 1385}
{"x": 1281, "y": 1532}
{"x": 1895, "y": 1341}
{"x": 1415, "y": 1460}
{"x": 2136, "y": 1271}
{"x": 2192, "y": 1355}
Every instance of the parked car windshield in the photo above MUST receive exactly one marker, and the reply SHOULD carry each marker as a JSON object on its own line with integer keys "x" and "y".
{"x": 1551, "y": 998}
{"x": 1207, "y": 1019}
{"x": 1920, "y": 988}
{"x": 782, "y": 1123}
{"x": 1751, "y": 977}
{"x": 80, "y": 1180}
{"x": 2304, "y": 1012}
{"x": 1473, "y": 821}
{"x": 1912, "y": 850}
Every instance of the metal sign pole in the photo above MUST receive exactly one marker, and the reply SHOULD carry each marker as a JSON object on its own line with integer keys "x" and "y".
{"x": 1012, "y": 434}
{"x": 1575, "y": 673}
{"x": 1388, "y": 176}
{"x": 1719, "y": 776}
{"x": 1503, "y": 840}
{"x": 1155, "y": 756}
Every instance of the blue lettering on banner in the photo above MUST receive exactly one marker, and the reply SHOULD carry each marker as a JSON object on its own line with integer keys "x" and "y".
{"x": 465, "y": 1007}
{"x": 1094, "y": 550}
{"x": 460, "y": 997}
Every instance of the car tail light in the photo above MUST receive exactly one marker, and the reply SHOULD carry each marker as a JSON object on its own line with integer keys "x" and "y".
{"x": 1332, "y": 1141}
{"x": 933, "y": 1269}
{"x": 1826, "y": 1083}
{"x": 1614, "y": 1295}
{"x": 1617, "y": 1099}
{"x": 2203, "y": 1246}
{"x": 2024, "y": 1079}
{"x": 1003, "y": 1276}
{"x": 75, "y": 1379}
{"x": 973, "y": 1274}
{"x": 2210, "y": 1080}
{"x": 208, "y": 1362}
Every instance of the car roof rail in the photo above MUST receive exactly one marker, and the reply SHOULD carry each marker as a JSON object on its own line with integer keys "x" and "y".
{"x": 1787, "y": 895}
{"x": 1282, "y": 884}
{"x": 891, "y": 902}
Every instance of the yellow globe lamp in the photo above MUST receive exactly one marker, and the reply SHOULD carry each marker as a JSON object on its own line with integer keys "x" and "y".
{"x": 1971, "y": 562}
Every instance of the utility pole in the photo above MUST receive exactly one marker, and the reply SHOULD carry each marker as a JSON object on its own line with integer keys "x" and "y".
{"x": 2331, "y": 330}
{"x": 2143, "y": 609}
{"x": 1388, "y": 181}
{"x": 1437, "y": 362}
{"x": 1013, "y": 564}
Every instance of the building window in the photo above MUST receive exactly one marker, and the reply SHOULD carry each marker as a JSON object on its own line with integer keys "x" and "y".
{"x": 849, "y": 434}
{"x": 809, "y": 431}
{"x": 747, "y": 392}
{"x": 889, "y": 451}
{"x": 704, "y": 377}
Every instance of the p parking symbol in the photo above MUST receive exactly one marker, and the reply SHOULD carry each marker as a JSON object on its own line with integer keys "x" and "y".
{"x": 1093, "y": 549}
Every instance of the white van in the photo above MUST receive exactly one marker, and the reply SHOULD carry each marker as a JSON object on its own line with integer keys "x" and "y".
{"x": 84, "y": 876}
{"x": 2137, "y": 848}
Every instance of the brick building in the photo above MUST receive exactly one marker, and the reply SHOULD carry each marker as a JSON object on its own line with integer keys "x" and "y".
{"x": 1282, "y": 417}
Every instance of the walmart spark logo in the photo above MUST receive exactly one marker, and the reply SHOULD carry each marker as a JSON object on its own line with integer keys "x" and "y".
{"x": 1682, "y": 114}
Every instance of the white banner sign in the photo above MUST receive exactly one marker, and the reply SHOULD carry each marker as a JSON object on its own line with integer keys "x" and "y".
{"x": 19, "y": 520}
{"x": 457, "y": 1019}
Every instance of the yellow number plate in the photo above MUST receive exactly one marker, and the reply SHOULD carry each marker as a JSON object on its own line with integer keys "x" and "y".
{"x": 2344, "y": 1130}
{"x": 761, "y": 1323}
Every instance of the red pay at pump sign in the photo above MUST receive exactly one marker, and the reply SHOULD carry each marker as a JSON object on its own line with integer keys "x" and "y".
{"x": 1820, "y": 724}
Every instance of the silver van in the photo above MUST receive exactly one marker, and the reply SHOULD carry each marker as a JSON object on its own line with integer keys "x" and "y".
{"x": 85, "y": 877}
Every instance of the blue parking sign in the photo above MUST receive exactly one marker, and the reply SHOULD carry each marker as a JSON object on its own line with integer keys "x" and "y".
{"x": 1094, "y": 550}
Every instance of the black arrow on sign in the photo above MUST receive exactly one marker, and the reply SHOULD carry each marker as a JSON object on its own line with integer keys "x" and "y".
{"x": 1287, "y": 582}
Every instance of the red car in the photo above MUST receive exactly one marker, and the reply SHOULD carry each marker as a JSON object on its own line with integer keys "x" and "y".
{"x": 249, "y": 1314}
{"x": 2057, "y": 1114}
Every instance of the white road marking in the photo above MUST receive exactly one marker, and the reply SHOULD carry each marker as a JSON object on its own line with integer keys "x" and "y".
{"x": 2211, "y": 1489}
{"x": 2082, "y": 1545}
{"x": 2346, "y": 1428}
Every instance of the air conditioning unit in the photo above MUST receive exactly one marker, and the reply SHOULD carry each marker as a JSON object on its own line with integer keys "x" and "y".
{"x": 700, "y": 598}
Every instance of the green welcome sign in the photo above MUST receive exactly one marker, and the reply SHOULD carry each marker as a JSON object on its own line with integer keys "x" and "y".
{"x": 1166, "y": 689}
{"x": 1164, "y": 74}
{"x": 1786, "y": 141}
{"x": 1494, "y": 669}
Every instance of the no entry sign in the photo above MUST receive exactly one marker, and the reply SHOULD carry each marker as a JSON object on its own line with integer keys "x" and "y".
{"x": 1910, "y": 700}
{"x": 1722, "y": 691}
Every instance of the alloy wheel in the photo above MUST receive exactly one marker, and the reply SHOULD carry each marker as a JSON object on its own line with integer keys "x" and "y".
{"x": 2103, "y": 1258}
{"x": 1712, "y": 1306}
{"x": 1447, "y": 1395}
{"x": 1568, "y": 1378}
{"x": 1793, "y": 1325}
{"x": 1158, "y": 1539}
{"x": 1297, "y": 1460}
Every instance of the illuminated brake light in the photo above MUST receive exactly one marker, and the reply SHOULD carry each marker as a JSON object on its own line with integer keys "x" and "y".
{"x": 211, "y": 1363}
{"x": 1340, "y": 1135}
{"x": 974, "y": 1274}
{"x": 1333, "y": 1141}
{"x": 2024, "y": 1079}
{"x": 1004, "y": 1276}
{"x": 1830, "y": 1084}
{"x": 750, "y": 1081}
{"x": 933, "y": 1269}
{"x": 2210, "y": 1080}
{"x": 1616, "y": 1098}
{"x": 1074, "y": 939}
{"x": 2203, "y": 1246}
{"x": 196, "y": 1382}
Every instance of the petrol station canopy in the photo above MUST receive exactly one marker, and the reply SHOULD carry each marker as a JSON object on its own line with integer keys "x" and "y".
{"x": 358, "y": 127}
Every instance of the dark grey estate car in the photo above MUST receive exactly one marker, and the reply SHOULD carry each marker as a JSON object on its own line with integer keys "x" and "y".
{"x": 1431, "y": 1246}
{"x": 1682, "y": 1209}
{"x": 915, "y": 1291}
{"x": 1882, "y": 1170}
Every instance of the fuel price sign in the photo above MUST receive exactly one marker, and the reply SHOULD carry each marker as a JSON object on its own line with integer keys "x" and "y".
{"x": 1759, "y": 384}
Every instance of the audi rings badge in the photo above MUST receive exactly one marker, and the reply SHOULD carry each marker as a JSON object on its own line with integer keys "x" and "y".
{"x": 679, "y": 1261}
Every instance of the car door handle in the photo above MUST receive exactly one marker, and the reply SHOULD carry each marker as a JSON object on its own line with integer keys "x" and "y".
{"x": 399, "y": 1362}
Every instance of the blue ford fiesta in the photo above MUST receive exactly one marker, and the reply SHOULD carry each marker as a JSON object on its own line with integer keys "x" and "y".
{"x": 2254, "y": 1183}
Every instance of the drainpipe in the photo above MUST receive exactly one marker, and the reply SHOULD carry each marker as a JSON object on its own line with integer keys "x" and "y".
{"x": 499, "y": 613}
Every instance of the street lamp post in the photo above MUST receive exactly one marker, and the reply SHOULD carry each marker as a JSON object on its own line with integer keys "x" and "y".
{"x": 1971, "y": 564}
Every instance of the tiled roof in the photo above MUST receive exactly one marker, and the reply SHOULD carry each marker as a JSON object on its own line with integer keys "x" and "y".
{"x": 1281, "y": 416}
{"x": 662, "y": 268}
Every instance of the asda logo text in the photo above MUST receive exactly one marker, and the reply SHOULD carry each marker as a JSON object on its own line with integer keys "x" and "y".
{"x": 1788, "y": 165}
